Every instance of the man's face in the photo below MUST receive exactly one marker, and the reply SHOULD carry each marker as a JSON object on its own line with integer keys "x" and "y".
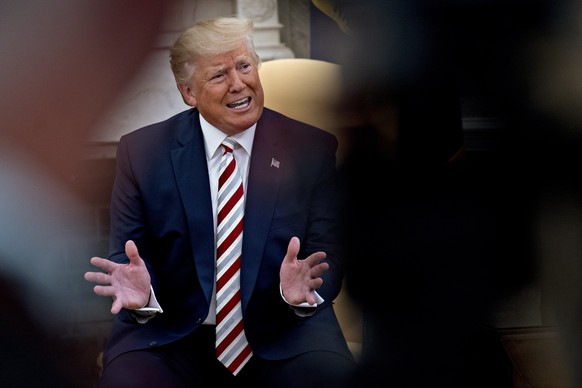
{"x": 227, "y": 90}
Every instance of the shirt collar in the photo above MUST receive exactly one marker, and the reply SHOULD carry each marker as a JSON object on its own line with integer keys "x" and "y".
{"x": 213, "y": 137}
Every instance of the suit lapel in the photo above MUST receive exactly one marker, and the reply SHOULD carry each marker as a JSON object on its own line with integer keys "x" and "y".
{"x": 266, "y": 169}
{"x": 190, "y": 169}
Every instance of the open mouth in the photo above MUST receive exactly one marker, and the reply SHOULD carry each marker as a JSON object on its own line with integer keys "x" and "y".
{"x": 239, "y": 104}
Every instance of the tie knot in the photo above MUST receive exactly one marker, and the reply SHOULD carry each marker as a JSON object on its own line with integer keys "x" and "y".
{"x": 228, "y": 144}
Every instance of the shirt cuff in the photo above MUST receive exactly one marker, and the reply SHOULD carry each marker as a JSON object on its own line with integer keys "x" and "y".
{"x": 303, "y": 309}
{"x": 144, "y": 314}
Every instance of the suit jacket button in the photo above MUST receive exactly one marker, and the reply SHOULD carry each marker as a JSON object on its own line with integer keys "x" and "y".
{"x": 153, "y": 343}
{"x": 199, "y": 321}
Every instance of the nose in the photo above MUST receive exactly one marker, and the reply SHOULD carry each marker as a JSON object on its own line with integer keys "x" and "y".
{"x": 236, "y": 83}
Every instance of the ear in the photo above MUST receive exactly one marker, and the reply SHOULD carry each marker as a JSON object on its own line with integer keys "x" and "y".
{"x": 187, "y": 94}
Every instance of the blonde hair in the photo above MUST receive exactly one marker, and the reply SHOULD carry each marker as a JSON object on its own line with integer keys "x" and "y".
{"x": 209, "y": 38}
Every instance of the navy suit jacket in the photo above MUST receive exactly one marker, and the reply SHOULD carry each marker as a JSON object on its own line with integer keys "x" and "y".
{"x": 161, "y": 200}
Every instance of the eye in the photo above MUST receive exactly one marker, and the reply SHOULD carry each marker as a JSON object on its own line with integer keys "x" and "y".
{"x": 217, "y": 77}
{"x": 245, "y": 67}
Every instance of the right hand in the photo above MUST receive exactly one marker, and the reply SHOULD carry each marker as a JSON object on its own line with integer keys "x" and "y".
{"x": 300, "y": 278}
{"x": 128, "y": 284}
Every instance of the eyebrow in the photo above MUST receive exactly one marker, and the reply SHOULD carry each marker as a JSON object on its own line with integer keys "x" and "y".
{"x": 215, "y": 69}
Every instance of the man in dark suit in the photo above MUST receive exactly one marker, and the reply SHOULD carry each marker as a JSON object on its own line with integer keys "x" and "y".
{"x": 162, "y": 260}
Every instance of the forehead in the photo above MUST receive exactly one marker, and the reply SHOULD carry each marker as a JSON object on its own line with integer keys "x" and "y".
{"x": 239, "y": 54}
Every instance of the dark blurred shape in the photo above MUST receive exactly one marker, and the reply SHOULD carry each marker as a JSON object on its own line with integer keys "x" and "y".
{"x": 24, "y": 339}
{"x": 443, "y": 232}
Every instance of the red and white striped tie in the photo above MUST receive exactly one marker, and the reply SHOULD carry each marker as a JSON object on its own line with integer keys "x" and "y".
{"x": 232, "y": 348}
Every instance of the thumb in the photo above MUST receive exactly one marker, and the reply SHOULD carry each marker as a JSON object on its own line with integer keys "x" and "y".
{"x": 292, "y": 249}
{"x": 116, "y": 306}
{"x": 131, "y": 252}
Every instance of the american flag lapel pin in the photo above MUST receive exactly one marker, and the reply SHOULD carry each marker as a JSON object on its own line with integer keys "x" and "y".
{"x": 274, "y": 163}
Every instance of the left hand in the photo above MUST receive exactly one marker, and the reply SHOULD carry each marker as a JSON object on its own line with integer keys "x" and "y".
{"x": 128, "y": 284}
{"x": 300, "y": 278}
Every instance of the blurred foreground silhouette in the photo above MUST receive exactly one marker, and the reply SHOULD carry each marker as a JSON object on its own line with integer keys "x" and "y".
{"x": 63, "y": 62}
{"x": 443, "y": 233}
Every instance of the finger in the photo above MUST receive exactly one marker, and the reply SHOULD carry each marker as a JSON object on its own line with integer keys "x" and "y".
{"x": 315, "y": 258}
{"x": 116, "y": 306}
{"x": 104, "y": 264}
{"x": 104, "y": 290}
{"x": 132, "y": 252}
{"x": 97, "y": 277}
{"x": 314, "y": 284}
{"x": 310, "y": 298}
{"x": 292, "y": 249}
{"x": 319, "y": 269}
